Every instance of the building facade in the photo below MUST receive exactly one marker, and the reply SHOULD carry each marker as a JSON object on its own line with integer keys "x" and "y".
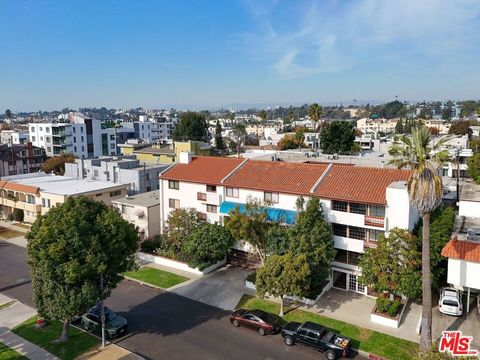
{"x": 360, "y": 203}
{"x": 38, "y": 193}
{"x": 20, "y": 159}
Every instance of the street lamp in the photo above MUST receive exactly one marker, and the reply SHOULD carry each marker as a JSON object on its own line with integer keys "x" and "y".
{"x": 102, "y": 311}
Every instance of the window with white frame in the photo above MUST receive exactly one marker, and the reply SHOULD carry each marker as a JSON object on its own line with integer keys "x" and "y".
{"x": 173, "y": 203}
{"x": 172, "y": 184}
{"x": 271, "y": 197}
{"x": 232, "y": 192}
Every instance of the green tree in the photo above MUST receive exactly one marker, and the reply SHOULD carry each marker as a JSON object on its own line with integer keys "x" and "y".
{"x": 393, "y": 265}
{"x": 441, "y": 227}
{"x": 180, "y": 225}
{"x": 474, "y": 167}
{"x": 283, "y": 275}
{"x": 314, "y": 113}
{"x": 8, "y": 114}
{"x": 474, "y": 144}
{"x": 425, "y": 192}
{"x": 56, "y": 164}
{"x": 18, "y": 214}
{"x": 218, "y": 137}
{"x": 399, "y": 127}
{"x": 192, "y": 126}
{"x": 238, "y": 134}
{"x": 207, "y": 245}
{"x": 291, "y": 141}
{"x": 251, "y": 225}
{"x": 69, "y": 248}
{"x": 277, "y": 239}
{"x": 460, "y": 127}
{"x": 447, "y": 113}
{"x": 312, "y": 236}
{"x": 337, "y": 137}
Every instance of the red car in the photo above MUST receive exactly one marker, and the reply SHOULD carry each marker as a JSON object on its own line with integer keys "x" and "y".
{"x": 259, "y": 320}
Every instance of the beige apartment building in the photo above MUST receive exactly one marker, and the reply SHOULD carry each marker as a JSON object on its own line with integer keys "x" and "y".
{"x": 37, "y": 193}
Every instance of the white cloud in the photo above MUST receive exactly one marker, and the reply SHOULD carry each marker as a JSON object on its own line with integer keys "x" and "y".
{"x": 305, "y": 38}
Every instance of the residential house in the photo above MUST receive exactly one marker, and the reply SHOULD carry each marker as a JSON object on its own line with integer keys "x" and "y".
{"x": 13, "y": 137}
{"x": 20, "y": 159}
{"x": 360, "y": 203}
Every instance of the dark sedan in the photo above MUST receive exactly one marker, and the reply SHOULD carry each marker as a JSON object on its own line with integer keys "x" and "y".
{"x": 259, "y": 320}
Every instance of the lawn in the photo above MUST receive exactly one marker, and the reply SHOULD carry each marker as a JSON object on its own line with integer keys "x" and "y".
{"x": 364, "y": 339}
{"x": 9, "y": 354}
{"x": 157, "y": 277}
{"x": 79, "y": 343}
{"x": 6, "y": 233}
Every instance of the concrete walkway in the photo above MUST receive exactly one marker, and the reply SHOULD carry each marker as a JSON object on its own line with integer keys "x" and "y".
{"x": 11, "y": 316}
{"x": 222, "y": 288}
{"x": 19, "y": 240}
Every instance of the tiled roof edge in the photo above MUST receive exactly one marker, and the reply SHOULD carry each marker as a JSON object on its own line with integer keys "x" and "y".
{"x": 166, "y": 169}
{"x": 320, "y": 179}
{"x": 233, "y": 171}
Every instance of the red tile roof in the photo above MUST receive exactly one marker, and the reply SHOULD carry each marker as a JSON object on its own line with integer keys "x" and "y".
{"x": 203, "y": 169}
{"x": 359, "y": 184}
{"x": 462, "y": 250}
{"x": 19, "y": 187}
{"x": 284, "y": 177}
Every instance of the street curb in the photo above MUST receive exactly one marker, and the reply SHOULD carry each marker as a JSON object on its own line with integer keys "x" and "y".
{"x": 144, "y": 283}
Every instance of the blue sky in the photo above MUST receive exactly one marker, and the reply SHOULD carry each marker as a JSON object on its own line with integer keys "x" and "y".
{"x": 207, "y": 53}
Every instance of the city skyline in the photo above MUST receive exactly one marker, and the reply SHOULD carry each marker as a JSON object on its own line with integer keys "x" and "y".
{"x": 150, "y": 54}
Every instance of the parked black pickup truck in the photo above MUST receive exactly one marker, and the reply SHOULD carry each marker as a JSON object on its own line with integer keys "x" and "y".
{"x": 318, "y": 337}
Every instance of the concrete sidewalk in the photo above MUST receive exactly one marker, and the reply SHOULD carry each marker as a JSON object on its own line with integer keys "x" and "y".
{"x": 19, "y": 240}
{"x": 11, "y": 316}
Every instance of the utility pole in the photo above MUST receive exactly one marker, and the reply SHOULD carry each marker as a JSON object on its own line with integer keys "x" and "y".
{"x": 102, "y": 311}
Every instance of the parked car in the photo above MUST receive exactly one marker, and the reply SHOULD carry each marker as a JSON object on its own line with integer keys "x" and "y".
{"x": 259, "y": 320}
{"x": 450, "y": 302}
{"x": 115, "y": 325}
{"x": 317, "y": 337}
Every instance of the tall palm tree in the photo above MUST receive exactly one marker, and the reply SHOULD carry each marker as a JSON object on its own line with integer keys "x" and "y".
{"x": 425, "y": 193}
{"x": 315, "y": 112}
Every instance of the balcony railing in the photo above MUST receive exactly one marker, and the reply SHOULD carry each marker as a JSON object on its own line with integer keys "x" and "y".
{"x": 370, "y": 244}
{"x": 374, "y": 221}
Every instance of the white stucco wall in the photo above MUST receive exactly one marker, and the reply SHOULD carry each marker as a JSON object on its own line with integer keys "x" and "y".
{"x": 469, "y": 208}
{"x": 399, "y": 212}
{"x": 463, "y": 273}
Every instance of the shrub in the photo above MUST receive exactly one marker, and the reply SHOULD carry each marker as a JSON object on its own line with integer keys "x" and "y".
{"x": 150, "y": 245}
{"x": 252, "y": 277}
{"x": 18, "y": 215}
{"x": 394, "y": 307}
{"x": 383, "y": 304}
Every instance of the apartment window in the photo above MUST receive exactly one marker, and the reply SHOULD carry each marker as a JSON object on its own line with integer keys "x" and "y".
{"x": 40, "y": 129}
{"x": 339, "y": 230}
{"x": 112, "y": 146}
{"x": 232, "y": 192}
{"x": 30, "y": 199}
{"x": 356, "y": 233}
{"x": 112, "y": 137}
{"x": 202, "y": 216}
{"x": 45, "y": 203}
{"x": 341, "y": 256}
{"x": 33, "y": 138}
{"x": 211, "y": 208}
{"x": 340, "y": 206}
{"x": 47, "y": 129}
{"x": 115, "y": 193}
{"x": 377, "y": 210}
{"x": 83, "y": 148}
{"x": 82, "y": 138}
{"x": 75, "y": 148}
{"x": 172, "y": 184}
{"x": 211, "y": 188}
{"x": 48, "y": 139}
{"x": 41, "y": 138}
{"x": 74, "y": 129}
{"x": 98, "y": 195}
{"x": 271, "y": 197}
{"x": 374, "y": 235}
{"x": 32, "y": 129}
{"x": 174, "y": 203}
{"x": 95, "y": 172}
{"x": 201, "y": 196}
{"x": 108, "y": 175}
{"x": 353, "y": 257}
{"x": 75, "y": 139}
{"x": 358, "y": 208}
{"x": 81, "y": 130}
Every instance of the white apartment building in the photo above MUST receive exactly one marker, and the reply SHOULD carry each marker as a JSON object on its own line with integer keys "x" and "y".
{"x": 373, "y": 126}
{"x": 13, "y": 137}
{"x": 361, "y": 203}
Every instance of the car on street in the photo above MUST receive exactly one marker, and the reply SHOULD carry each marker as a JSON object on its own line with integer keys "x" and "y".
{"x": 259, "y": 320}
{"x": 318, "y": 337}
{"x": 450, "y": 301}
{"x": 115, "y": 325}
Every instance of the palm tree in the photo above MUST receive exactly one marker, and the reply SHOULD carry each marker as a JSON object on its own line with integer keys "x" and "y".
{"x": 239, "y": 135}
{"x": 315, "y": 112}
{"x": 425, "y": 193}
{"x": 263, "y": 115}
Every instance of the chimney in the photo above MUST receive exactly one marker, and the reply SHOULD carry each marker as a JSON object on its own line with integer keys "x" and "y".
{"x": 185, "y": 157}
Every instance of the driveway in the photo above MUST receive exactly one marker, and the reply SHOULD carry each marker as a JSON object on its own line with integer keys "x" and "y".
{"x": 469, "y": 323}
{"x": 222, "y": 288}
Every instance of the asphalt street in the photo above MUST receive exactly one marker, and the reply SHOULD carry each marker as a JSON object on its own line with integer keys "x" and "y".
{"x": 163, "y": 325}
